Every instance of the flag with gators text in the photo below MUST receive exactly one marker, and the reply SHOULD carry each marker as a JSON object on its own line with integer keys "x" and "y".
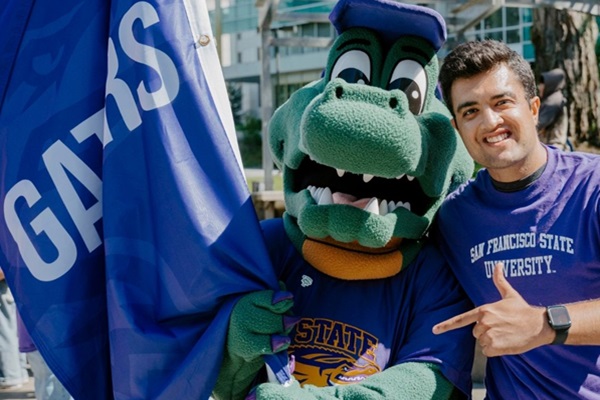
{"x": 127, "y": 229}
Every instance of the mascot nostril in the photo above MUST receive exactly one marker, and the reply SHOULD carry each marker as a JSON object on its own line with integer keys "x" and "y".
{"x": 339, "y": 91}
{"x": 369, "y": 154}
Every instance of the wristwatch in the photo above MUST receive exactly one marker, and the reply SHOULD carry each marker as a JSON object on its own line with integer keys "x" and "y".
{"x": 560, "y": 321}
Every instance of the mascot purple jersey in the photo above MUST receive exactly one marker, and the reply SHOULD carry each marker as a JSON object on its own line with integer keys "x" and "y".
{"x": 352, "y": 329}
{"x": 553, "y": 258}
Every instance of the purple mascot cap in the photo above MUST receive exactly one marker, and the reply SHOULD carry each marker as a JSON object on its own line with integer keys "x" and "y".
{"x": 390, "y": 20}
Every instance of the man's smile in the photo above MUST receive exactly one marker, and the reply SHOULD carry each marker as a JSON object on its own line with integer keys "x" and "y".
{"x": 497, "y": 138}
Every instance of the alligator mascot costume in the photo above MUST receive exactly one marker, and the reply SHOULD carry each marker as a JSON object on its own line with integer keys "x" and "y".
{"x": 368, "y": 154}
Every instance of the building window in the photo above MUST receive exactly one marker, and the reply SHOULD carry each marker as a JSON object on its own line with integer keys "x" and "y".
{"x": 512, "y": 17}
{"x": 494, "y": 35}
{"x": 508, "y": 24}
{"x": 527, "y": 33}
{"x": 528, "y": 52}
{"x": 324, "y": 30}
{"x": 527, "y": 14}
{"x": 513, "y": 36}
{"x": 494, "y": 20}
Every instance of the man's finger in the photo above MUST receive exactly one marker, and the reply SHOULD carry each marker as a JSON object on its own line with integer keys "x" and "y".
{"x": 457, "y": 321}
{"x": 501, "y": 283}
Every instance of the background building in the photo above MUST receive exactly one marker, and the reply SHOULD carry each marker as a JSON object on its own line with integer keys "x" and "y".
{"x": 302, "y": 31}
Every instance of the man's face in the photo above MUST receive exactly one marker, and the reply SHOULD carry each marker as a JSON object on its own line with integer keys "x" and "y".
{"x": 498, "y": 124}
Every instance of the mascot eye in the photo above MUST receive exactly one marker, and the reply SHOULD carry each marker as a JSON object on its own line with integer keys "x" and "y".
{"x": 409, "y": 76}
{"x": 353, "y": 66}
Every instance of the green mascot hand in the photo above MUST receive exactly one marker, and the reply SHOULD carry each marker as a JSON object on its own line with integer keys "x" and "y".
{"x": 412, "y": 380}
{"x": 258, "y": 326}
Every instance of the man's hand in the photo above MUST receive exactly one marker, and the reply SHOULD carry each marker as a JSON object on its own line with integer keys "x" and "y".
{"x": 508, "y": 326}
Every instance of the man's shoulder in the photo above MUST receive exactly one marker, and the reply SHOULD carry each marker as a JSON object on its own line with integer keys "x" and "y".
{"x": 464, "y": 192}
{"x": 581, "y": 162}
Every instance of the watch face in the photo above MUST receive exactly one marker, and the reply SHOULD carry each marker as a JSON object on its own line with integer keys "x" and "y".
{"x": 559, "y": 317}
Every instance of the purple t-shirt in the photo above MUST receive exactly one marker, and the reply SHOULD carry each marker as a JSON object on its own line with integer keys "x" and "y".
{"x": 353, "y": 329}
{"x": 548, "y": 237}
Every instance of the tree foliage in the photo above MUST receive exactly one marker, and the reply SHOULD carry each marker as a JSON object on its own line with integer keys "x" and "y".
{"x": 251, "y": 142}
{"x": 234, "y": 91}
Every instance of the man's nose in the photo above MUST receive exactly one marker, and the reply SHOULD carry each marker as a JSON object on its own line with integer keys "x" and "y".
{"x": 491, "y": 118}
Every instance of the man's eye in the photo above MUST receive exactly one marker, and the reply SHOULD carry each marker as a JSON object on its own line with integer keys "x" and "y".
{"x": 353, "y": 66}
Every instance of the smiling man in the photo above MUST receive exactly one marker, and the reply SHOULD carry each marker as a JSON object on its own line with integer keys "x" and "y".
{"x": 523, "y": 237}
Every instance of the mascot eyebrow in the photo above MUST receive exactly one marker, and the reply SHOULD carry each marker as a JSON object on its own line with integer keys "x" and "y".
{"x": 415, "y": 50}
{"x": 354, "y": 41}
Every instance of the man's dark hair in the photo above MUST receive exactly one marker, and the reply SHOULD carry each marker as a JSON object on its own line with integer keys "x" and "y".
{"x": 472, "y": 58}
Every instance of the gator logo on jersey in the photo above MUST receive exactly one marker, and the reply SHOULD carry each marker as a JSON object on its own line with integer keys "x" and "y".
{"x": 330, "y": 353}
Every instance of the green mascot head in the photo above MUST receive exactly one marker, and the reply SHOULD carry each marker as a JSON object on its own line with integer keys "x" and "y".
{"x": 368, "y": 152}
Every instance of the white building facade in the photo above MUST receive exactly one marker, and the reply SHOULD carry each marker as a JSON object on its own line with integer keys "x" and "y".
{"x": 293, "y": 67}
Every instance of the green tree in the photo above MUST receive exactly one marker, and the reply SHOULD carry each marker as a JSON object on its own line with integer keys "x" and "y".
{"x": 234, "y": 91}
{"x": 251, "y": 142}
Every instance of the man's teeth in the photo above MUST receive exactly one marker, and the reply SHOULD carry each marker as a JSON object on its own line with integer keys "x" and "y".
{"x": 323, "y": 197}
{"x": 498, "y": 138}
{"x": 367, "y": 177}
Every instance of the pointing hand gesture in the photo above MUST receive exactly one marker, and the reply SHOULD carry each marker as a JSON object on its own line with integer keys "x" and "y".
{"x": 508, "y": 326}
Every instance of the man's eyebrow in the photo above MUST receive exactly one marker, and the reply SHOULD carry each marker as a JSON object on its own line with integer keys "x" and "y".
{"x": 465, "y": 105}
{"x": 495, "y": 97}
{"x": 505, "y": 94}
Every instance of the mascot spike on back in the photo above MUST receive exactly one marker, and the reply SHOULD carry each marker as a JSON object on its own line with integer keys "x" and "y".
{"x": 368, "y": 154}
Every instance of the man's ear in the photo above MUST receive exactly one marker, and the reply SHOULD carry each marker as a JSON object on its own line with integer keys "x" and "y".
{"x": 453, "y": 122}
{"x": 534, "y": 104}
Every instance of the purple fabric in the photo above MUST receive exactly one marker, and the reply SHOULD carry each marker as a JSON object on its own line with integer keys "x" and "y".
{"x": 383, "y": 16}
{"x": 26, "y": 344}
{"x": 548, "y": 236}
{"x": 124, "y": 202}
{"x": 349, "y": 329}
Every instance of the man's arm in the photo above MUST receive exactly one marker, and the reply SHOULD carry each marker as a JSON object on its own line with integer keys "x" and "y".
{"x": 1, "y": 275}
{"x": 585, "y": 323}
{"x": 511, "y": 326}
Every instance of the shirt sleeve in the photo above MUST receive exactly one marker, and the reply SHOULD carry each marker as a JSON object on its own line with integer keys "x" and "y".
{"x": 278, "y": 245}
{"x": 436, "y": 296}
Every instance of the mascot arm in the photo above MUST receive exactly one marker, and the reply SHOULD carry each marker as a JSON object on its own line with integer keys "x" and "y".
{"x": 412, "y": 380}
{"x": 257, "y": 327}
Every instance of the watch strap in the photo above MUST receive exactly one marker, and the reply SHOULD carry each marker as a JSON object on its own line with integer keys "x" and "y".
{"x": 561, "y": 336}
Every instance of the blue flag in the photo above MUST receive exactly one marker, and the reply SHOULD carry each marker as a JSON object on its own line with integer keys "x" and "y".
{"x": 127, "y": 230}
